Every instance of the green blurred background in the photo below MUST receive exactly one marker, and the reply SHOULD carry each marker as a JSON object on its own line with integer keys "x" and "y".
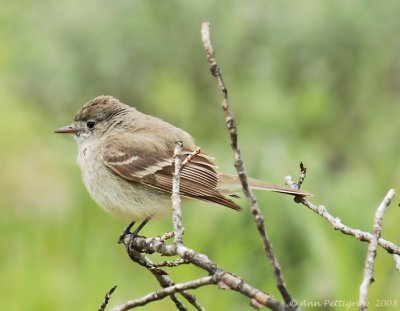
{"x": 313, "y": 81}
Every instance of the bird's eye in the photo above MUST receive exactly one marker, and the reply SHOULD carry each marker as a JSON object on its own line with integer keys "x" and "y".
{"x": 90, "y": 125}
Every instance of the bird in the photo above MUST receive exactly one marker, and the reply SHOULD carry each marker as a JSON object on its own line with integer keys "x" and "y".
{"x": 126, "y": 159}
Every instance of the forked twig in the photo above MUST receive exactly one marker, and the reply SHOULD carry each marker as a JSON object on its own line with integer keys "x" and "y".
{"x": 337, "y": 224}
{"x": 372, "y": 248}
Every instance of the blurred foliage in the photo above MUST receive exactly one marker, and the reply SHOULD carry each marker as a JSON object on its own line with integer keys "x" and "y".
{"x": 317, "y": 81}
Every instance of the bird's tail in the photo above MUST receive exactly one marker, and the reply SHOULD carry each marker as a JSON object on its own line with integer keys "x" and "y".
{"x": 231, "y": 183}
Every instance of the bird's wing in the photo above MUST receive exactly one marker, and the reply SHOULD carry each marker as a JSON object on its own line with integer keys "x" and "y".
{"x": 141, "y": 159}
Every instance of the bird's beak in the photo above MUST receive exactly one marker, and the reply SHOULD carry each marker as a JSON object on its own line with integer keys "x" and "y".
{"x": 69, "y": 129}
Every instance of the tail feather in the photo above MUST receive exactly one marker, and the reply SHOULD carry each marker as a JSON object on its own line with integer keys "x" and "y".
{"x": 231, "y": 183}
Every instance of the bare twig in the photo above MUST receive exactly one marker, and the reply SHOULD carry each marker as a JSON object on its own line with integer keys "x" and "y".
{"x": 176, "y": 198}
{"x": 372, "y": 248}
{"x": 167, "y": 235}
{"x": 296, "y": 186}
{"x": 363, "y": 236}
{"x": 168, "y": 291}
{"x": 258, "y": 217}
{"x": 171, "y": 263}
{"x": 303, "y": 174}
{"x": 189, "y": 157}
{"x": 107, "y": 298}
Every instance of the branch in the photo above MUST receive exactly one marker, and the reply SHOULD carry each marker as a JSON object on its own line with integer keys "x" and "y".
{"x": 296, "y": 186}
{"x": 139, "y": 245}
{"x": 371, "y": 254}
{"x": 257, "y": 216}
{"x": 171, "y": 263}
{"x": 107, "y": 298}
{"x": 336, "y": 223}
{"x": 168, "y": 291}
{"x": 176, "y": 198}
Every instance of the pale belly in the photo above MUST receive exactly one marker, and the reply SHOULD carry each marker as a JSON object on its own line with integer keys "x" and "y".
{"x": 120, "y": 197}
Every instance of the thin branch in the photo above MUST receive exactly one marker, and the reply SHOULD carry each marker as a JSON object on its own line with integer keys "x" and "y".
{"x": 258, "y": 217}
{"x": 167, "y": 235}
{"x": 176, "y": 198}
{"x": 171, "y": 263}
{"x": 189, "y": 157}
{"x": 303, "y": 174}
{"x": 107, "y": 298}
{"x": 296, "y": 186}
{"x": 372, "y": 248}
{"x": 363, "y": 236}
{"x": 168, "y": 291}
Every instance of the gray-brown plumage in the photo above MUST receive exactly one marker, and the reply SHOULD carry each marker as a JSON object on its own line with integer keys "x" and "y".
{"x": 126, "y": 159}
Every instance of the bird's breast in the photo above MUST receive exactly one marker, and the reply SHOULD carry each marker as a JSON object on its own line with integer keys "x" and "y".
{"x": 117, "y": 195}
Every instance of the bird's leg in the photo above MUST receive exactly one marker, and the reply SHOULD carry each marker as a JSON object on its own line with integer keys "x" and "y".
{"x": 140, "y": 227}
{"x": 126, "y": 231}
{"x": 135, "y": 233}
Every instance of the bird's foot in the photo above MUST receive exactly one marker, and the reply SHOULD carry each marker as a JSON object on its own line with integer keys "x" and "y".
{"x": 134, "y": 233}
{"x": 124, "y": 233}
